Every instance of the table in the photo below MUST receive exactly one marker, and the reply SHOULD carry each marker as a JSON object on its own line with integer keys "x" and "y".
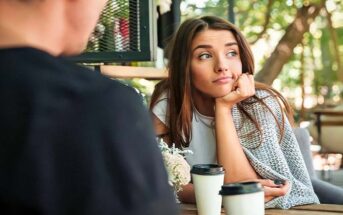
{"x": 321, "y": 209}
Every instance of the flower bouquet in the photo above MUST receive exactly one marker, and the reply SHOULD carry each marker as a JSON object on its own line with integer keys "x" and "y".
{"x": 177, "y": 167}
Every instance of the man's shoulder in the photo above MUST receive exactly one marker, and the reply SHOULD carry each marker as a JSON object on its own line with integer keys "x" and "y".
{"x": 43, "y": 72}
{"x": 93, "y": 82}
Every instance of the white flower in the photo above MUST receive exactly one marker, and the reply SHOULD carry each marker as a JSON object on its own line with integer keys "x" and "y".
{"x": 177, "y": 167}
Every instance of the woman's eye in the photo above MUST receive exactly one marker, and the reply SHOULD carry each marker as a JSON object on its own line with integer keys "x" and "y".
{"x": 231, "y": 54}
{"x": 204, "y": 56}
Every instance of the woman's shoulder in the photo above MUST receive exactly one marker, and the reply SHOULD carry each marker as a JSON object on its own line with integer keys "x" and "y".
{"x": 263, "y": 98}
{"x": 263, "y": 93}
{"x": 267, "y": 96}
{"x": 162, "y": 99}
{"x": 160, "y": 106}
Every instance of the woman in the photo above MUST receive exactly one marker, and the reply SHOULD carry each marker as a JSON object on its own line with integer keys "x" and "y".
{"x": 211, "y": 105}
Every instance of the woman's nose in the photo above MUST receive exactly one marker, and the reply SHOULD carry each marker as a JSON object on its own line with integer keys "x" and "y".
{"x": 221, "y": 69}
{"x": 222, "y": 66}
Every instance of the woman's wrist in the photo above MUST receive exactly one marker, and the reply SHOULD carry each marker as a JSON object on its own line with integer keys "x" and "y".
{"x": 222, "y": 110}
{"x": 222, "y": 106}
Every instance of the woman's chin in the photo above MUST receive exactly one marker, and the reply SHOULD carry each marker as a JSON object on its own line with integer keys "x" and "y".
{"x": 222, "y": 94}
{"x": 219, "y": 95}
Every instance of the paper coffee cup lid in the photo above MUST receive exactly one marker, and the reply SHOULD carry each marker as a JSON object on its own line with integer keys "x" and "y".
{"x": 240, "y": 188}
{"x": 207, "y": 169}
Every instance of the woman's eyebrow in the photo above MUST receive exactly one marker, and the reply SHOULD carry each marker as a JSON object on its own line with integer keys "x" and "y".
{"x": 201, "y": 46}
{"x": 231, "y": 44}
{"x": 209, "y": 46}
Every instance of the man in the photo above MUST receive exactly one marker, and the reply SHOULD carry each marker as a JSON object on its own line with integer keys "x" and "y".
{"x": 71, "y": 141}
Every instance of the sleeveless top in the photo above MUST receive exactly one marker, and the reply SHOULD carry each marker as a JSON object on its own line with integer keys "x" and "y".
{"x": 270, "y": 158}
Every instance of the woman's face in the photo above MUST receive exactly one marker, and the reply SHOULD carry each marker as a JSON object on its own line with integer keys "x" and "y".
{"x": 215, "y": 63}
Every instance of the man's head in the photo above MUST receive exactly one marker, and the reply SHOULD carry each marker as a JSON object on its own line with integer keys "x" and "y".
{"x": 60, "y": 27}
{"x": 81, "y": 17}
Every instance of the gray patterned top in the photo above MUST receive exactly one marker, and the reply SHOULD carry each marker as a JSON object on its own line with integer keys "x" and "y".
{"x": 274, "y": 159}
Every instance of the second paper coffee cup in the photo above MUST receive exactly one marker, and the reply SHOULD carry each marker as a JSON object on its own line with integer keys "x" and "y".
{"x": 207, "y": 181}
{"x": 243, "y": 198}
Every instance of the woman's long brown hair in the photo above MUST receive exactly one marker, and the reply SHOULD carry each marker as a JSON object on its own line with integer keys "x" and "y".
{"x": 178, "y": 84}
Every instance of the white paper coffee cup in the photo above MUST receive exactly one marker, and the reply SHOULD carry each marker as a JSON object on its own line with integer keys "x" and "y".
{"x": 243, "y": 198}
{"x": 207, "y": 181}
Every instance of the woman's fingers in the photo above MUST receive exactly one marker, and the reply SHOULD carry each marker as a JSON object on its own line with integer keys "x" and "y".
{"x": 271, "y": 183}
{"x": 280, "y": 190}
{"x": 243, "y": 88}
{"x": 273, "y": 192}
{"x": 265, "y": 182}
{"x": 245, "y": 85}
{"x": 273, "y": 188}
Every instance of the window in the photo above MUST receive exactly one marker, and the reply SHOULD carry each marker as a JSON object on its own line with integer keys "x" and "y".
{"x": 124, "y": 33}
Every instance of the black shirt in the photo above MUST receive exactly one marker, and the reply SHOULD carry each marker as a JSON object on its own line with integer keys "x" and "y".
{"x": 74, "y": 142}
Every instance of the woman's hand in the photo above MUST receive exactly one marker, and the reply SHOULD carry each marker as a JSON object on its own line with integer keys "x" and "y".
{"x": 243, "y": 88}
{"x": 273, "y": 189}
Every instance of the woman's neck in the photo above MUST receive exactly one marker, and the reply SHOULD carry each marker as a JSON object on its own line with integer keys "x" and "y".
{"x": 203, "y": 103}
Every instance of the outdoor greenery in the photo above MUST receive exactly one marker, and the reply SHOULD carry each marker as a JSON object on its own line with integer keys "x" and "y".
{"x": 298, "y": 45}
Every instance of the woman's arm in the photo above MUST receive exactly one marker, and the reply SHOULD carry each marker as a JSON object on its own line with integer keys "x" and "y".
{"x": 237, "y": 166}
{"x": 229, "y": 150}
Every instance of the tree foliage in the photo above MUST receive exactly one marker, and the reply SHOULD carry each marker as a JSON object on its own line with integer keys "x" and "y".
{"x": 309, "y": 28}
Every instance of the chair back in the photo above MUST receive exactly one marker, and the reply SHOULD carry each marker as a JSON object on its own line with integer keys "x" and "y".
{"x": 303, "y": 138}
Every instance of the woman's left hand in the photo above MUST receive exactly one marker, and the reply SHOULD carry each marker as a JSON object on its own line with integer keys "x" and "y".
{"x": 272, "y": 189}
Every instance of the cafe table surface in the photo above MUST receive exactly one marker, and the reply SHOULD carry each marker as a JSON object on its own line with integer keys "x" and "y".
{"x": 319, "y": 209}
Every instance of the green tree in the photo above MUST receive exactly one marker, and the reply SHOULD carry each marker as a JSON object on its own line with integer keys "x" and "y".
{"x": 304, "y": 39}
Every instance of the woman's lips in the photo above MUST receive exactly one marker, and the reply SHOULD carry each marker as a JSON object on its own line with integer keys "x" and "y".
{"x": 222, "y": 80}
